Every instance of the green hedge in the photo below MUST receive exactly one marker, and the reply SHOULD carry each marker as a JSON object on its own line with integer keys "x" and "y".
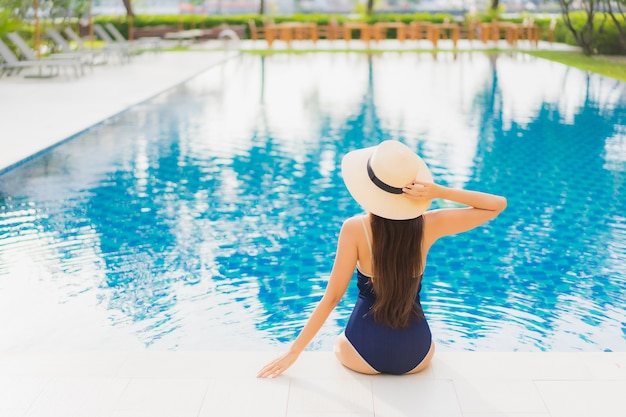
{"x": 606, "y": 43}
{"x": 201, "y": 21}
{"x": 7, "y": 22}
{"x": 408, "y": 18}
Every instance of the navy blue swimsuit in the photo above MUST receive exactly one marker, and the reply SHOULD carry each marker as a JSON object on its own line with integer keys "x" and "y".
{"x": 387, "y": 350}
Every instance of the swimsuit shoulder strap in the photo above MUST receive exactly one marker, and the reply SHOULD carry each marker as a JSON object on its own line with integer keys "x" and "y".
{"x": 367, "y": 235}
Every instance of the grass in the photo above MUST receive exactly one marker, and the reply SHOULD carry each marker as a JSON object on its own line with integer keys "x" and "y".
{"x": 370, "y": 51}
{"x": 609, "y": 66}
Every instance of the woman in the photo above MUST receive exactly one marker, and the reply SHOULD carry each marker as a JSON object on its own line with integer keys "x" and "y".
{"x": 387, "y": 331}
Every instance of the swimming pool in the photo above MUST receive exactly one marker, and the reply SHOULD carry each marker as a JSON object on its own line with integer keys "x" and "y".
{"x": 207, "y": 217}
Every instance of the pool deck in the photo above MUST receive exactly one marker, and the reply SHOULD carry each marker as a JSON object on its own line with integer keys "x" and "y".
{"x": 203, "y": 384}
{"x": 39, "y": 113}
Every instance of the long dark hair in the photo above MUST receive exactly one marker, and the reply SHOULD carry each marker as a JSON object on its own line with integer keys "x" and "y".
{"x": 397, "y": 269}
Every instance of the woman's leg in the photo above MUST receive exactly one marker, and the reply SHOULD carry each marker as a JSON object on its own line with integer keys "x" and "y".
{"x": 350, "y": 358}
{"x": 425, "y": 362}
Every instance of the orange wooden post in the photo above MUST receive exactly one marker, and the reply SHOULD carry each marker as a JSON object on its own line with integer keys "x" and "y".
{"x": 131, "y": 27}
{"x": 37, "y": 30}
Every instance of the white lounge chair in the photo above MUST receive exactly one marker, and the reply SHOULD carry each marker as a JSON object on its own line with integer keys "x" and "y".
{"x": 11, "y": 65}
{"x": 75, "y": 38}
{"x": 30, "y": 55}
{"x": 149, "y": 42}
{"x": 91, "y": 56}
{"x": 122, "y": 49}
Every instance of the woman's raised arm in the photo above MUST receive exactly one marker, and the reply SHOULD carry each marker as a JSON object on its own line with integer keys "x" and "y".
{"x": 481, "y": 207}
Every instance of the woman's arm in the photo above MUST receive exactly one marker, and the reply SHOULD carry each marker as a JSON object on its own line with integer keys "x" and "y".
{"x": 343, "y": 269}
{"x": 482, "y": 207}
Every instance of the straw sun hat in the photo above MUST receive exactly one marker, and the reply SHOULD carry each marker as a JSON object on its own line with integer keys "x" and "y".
{"x": 375, "y": 177}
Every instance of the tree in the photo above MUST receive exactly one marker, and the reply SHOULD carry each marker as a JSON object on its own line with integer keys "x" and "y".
{"x": 615, "y": 10}
{"x": 8, "y": 23}
{"x": 57, "y": 10}
{"x": 587, "y": 33}
{"x": 129, "y": 8}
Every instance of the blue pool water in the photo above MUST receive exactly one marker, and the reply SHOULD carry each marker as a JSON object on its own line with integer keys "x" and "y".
{"x": 207, "y": 217}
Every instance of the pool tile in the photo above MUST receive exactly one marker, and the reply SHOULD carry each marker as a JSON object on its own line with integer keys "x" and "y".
{"x": 239, "y": 364}
{"x": 506, "y": 415}
{"x": 364, "y": 414}
{"x": 153, "y": 364}
{"x": 154, "y": 413}
{"x": 19, "y": 393}
{"x": 413, "y": 396}
{"x": 78, "y": 397}
{"x": 498, "y": 396}
{"x": 174, "y": 396}
{"x": 326, "y": 365}
{"x": 12, "y": 412}
{"x": 240, "y": 397}
{"x": 67, "y": 364}
{"x": 328, "y": 396}
{"x": 509, "y": 365}
{"x": 302, "y": 394}
{"x": 605, "y": 365}
{"x": 193, "y": 364}
{"x": 584, "y": 398}
{"x": 322, "y": 365}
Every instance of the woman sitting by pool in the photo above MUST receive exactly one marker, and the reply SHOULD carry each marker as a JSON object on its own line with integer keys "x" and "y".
{"x": 387, "y": 331}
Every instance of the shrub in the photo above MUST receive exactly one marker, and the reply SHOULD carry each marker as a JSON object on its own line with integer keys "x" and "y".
{"x": 607, "y": 40}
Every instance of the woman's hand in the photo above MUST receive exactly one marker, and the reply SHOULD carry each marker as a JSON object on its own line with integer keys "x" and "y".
{"x": 422, "y": 190}
{"x": 278, "y": 366}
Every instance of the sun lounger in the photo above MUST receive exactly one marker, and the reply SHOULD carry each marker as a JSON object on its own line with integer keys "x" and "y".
{"x": 184, "y": 35}
{"x": 89, "y": 55}
{"x": 30, "y": 55}
{"x": 105, "y": 52}
{"x": 75, "y": 38}
{"x": 150, "y": 42}
{"x": 12, "y": 65}
{"x": 123, "y": 49}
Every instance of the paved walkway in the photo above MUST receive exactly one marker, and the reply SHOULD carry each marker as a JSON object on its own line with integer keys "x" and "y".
{"x": 37, "y": 114}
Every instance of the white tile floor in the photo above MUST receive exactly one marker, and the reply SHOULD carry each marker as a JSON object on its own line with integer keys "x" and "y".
{"x": 179, "y": 384}
{"x": 38, "y": 113}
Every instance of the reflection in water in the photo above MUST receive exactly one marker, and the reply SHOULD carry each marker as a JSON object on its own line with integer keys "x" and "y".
{"x": 207, "y": 218}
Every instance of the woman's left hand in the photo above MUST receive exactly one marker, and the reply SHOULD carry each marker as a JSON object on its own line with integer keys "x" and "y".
{"x": 278, "y": 366}
{"x": 421, "y": 190}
